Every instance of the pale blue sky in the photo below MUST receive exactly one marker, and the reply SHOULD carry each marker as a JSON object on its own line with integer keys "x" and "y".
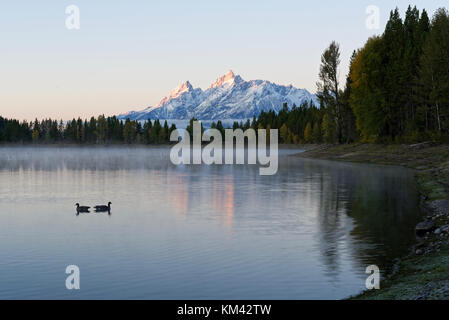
{"x": 128, "y": 55}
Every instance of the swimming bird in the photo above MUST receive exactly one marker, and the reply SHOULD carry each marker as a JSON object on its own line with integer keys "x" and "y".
{"x": 103, "y": 208}
{"x": 81, "y": 208}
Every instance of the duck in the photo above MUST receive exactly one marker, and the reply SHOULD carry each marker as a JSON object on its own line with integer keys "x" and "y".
{"x": 81, "y": 208}
{"x": 103, "y": 208}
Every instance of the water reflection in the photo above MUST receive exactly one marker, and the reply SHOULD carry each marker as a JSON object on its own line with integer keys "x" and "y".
{"x": 95, "y": 212}
{"x": 375, "y": 206}
{"x": 192, "y": 232}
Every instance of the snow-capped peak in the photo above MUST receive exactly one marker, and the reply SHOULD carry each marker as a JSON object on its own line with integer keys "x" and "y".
{"x": 175, "y": 93}
{"x": 185, "y": 87}
{"x": 229, "y": 97}
{"x": 228, "y": 78}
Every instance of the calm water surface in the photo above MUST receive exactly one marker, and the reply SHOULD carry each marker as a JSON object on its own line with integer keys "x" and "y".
{"x": 196, "y": 232}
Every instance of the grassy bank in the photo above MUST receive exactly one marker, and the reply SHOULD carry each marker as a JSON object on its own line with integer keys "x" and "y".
{"x": 424, "y": 273}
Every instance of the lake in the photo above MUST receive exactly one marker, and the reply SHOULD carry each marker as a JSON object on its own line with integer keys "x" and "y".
{"x": 196, "y": 232}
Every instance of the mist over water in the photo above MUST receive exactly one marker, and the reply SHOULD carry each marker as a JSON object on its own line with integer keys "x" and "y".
{"x": 198, "y": 231}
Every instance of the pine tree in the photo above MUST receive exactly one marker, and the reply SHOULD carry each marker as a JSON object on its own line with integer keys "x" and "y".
{"x": 329, "y": 87}
{"x": 434, "y": 73}
{"x": 101, "y": 129}
{"x": 129, "y": 131}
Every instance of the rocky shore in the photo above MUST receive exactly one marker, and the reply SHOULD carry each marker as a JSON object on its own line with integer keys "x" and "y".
{"x": 424, "y": 273}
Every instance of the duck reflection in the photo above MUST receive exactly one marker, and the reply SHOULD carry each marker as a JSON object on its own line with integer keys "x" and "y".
{"x": 83, "y": 209}
{"x": 88, "y": 212}
{"x": 103, "y": 208}
{"x": 97, "y": 209}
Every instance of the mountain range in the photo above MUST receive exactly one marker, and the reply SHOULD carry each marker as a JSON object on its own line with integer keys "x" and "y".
{"x": 229, "y": 97}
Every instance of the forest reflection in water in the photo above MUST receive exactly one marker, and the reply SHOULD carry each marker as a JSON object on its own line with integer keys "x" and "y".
{"x": 198, "y": 231}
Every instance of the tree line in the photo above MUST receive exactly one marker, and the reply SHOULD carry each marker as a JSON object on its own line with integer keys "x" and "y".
{"x": 396, "y": 91}
{"x": 399, "y": 81}
{"x": 301, "y": 124}
{"x": 298, "y": 124}
{"x": 100, "y": 130}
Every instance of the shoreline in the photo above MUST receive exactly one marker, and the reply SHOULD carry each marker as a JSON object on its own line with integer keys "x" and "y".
{"x": 423, "y": 274}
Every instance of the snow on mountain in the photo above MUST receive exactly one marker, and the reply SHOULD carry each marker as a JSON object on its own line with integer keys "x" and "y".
{"x": 229, "y": 97}
{"x": 228, "y": 79}
{"x": 176, "y": 93}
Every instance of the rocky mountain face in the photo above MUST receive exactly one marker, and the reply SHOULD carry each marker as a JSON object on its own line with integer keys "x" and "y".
{"x": 229, "y": 97}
